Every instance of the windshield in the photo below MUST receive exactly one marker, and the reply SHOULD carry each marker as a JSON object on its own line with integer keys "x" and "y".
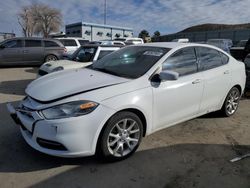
{"x": 84, "y": 54}
{"x": 130, "y": 62}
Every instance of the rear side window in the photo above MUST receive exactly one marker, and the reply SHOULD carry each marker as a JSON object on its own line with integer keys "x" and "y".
{"x": 33, "y": 43}
{"x": 224, "y": 58}
{"x": 68, "y": 42}
{"x": 50, "y": 44}
{"x": 13, "y": 44}
{"x": 183, "y": 61}
{"x": 209, "y": 58}
{"x": 104, "y": 53}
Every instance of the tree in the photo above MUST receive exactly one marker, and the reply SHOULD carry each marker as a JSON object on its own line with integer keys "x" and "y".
{"x": 26, "y": 21}
{"x": 48, "y": 19}
{"x": 143, "y": 34}
{"x": 157, "y": 34}
{"x": 39, "y": 19}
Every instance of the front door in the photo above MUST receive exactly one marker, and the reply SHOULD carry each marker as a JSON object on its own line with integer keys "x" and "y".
{"x": 175, "y": 101}
{"x": 11, "y": 52}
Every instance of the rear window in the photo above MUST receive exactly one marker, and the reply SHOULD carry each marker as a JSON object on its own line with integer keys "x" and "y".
{"x": 104, "y": 53}
{"x": 82, "y": 42}
{"x": 50, "y": 44}
{"x": 33, "y": 43}
{"x": 68, "y": 42}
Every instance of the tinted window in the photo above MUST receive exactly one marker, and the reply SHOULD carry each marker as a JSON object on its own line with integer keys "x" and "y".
{"x": 183, "y": 61}
{"x": 209, "y": 58}
{"x": 104, "y": 53}
{"x": 247, "y": 62}
{"x": 224, "y": 58}
{"x": 82, "y": 42}
{"x": 13, "y": 44}
{"x": 50, "y": 44}
{"x": 68, "y": 42}
{"x": 84, "y": 54}
{"x": 33, "y": 43}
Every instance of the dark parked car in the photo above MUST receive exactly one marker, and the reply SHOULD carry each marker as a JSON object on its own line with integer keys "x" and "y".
{"x": 30, "y": 51}
{"x": 247, "y": 64}
{"x": 241, "y": 50}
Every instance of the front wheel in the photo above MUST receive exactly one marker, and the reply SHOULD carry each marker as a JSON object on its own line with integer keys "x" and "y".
{"x": 121, "y": 136}
{"x": 231, "y": 102}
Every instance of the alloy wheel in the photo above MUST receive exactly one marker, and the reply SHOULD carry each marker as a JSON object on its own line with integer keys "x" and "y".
{"x": 232, "y": 102}
{"x": 123, "y": 137}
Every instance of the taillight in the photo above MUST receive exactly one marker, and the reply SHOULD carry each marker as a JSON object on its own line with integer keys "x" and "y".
{"x": 65, "y": 50}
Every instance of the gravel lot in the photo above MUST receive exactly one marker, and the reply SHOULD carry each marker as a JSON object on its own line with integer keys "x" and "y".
{"x": 192, "y": 154}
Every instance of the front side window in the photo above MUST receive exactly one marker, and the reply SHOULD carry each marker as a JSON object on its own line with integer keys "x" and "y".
{"x": 12, "y": 44}
{"x": 131, "y": 61}
{"x": 183, "y": 62}
{"x": 33, "y": 43}
{"x": 209, "y": 58}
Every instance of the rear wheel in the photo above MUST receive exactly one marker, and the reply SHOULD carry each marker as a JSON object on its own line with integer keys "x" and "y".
{"x": 231, "y": 102}
{"x": 121, "y": 137}
{"x": 50, "y": 58}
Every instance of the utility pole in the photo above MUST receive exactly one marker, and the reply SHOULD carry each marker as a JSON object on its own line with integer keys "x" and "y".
{"x": 105, "y": 11}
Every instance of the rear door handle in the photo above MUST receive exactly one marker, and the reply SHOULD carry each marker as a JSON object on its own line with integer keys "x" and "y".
{"x": 25, "y": 51}
{"x": 226, "y": 72}
{"x": 197, "y": 81}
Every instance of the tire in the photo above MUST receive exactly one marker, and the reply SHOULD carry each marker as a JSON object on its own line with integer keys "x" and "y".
{"x": 231, "y": 102}
{"x": 121, "y": 137}
{"x": 50, "y": 58}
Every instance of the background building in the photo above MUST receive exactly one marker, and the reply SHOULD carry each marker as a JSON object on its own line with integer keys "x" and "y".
{"x": 96, "y": 32}
{"x": 202, "y": 33}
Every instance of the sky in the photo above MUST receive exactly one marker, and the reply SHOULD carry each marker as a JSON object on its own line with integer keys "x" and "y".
{"x": 167, "y": 16}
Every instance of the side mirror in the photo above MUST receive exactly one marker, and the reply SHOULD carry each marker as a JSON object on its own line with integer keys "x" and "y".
{"x": 2, "y": 47}
{"x": 166, "y": 75}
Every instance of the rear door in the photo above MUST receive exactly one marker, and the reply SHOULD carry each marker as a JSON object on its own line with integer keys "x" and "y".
{"x": 217, "y": 77}
{"x": 33, "y": 52}
{"x": 11, "y": 52}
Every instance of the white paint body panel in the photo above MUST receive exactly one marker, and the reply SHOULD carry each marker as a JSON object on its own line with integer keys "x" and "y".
{"x": 164, "y": 105}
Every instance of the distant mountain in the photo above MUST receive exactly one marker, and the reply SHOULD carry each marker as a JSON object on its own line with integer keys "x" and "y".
{"x": 212, "y": 27}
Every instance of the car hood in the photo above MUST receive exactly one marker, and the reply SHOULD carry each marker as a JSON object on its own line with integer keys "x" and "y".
{"x": 60, "y": 63}
{"x": 69, "y": 82}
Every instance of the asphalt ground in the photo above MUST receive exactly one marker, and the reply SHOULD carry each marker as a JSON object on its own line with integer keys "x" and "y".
{"x": 191, "y": 154}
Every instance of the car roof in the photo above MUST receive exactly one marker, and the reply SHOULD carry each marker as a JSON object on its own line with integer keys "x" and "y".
{"x": 100, "y": 45}
{"x": 177, "y": 45}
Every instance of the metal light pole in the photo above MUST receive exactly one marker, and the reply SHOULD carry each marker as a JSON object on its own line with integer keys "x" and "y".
{"x": 105, "y": 11}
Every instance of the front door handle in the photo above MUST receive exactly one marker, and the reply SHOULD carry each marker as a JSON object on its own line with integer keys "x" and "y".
{"x": 197, "y": 81}
{"x": 226, "y": 72}
{"x": 25, "y": 51}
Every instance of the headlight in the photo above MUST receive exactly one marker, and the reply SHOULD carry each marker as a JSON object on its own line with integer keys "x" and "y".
{"x": 57, "y": 69}
{"x": 71, "y": 109}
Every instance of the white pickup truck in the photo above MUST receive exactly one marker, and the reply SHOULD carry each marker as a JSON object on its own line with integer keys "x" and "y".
{"x": 82, "y": 57}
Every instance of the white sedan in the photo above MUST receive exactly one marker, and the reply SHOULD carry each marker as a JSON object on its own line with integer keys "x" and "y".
{"x": 108, "y": 107}
{"x": 82, "y": 57}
